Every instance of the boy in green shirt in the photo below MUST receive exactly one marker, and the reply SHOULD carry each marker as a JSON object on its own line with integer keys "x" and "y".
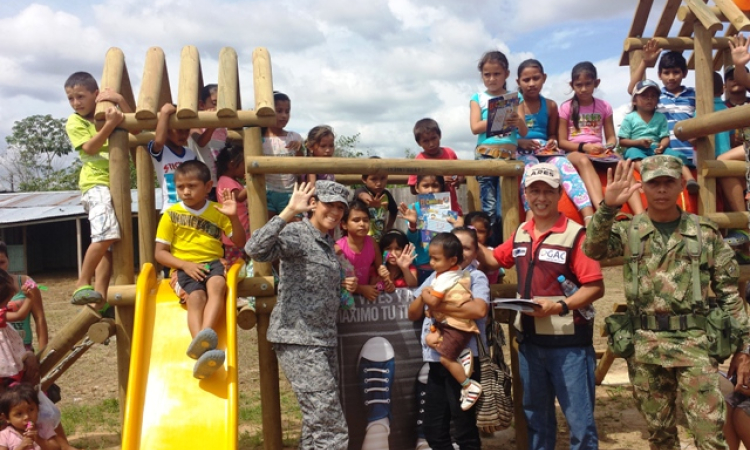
{"x": 83, "y": 94}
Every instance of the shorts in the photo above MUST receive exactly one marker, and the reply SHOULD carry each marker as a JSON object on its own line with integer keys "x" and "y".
{"x": 189, "y": 285}
{"x": 637, "y": 153}
{"x": 97, "y": 201}
{"x": 277, "y": 201}
{"x": 737, "y": 400}
{"x": 453, "y": 341}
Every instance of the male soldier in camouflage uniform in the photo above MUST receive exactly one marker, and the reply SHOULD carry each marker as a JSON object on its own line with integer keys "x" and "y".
{"x": 671, "y": 350}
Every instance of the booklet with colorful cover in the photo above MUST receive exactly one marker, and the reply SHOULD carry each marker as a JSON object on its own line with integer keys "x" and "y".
{"x": 435, "y": 210}
{"x": 499, "y": 110}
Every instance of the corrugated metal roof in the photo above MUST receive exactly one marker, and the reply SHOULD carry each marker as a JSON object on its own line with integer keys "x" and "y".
{"x": 35, "y": 207}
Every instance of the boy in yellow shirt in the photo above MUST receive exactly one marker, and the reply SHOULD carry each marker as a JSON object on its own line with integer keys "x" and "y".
{"x": 83, "y": 94}
{"x": 188, "y": 240}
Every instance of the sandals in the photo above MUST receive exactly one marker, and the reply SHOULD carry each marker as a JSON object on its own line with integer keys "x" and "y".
{"x": 208, "y": 363}
{"x": 735, "y": 238}
{"x": 85, "y": 295}
{"x": 204, "y": 341}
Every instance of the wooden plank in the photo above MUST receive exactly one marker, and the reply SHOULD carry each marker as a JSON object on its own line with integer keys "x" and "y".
{"x": 151, "y": 84}
{"x": 263, "y": 83}
{"x": 190, "y": 83}
{"x": 114, "y": 66}
{"x": 229, "y": 85}
{"x": 679, "y": 43}
{"x": 736, "y": 18}
{"x": 704, "y": 82}
{"x": 691, "y": 60}
{"x": 667, "y": 18}
{"x": 638, "y": 25}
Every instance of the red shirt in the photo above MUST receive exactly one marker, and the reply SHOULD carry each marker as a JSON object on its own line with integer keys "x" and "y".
{"x": 445, "y": 154}
{"x": 586, "y": 269}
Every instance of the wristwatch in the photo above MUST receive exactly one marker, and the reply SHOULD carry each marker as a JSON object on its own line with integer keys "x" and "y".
{"x": 565, "y": 309}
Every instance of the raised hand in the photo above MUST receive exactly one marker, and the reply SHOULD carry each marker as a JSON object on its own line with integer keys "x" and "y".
{"x": 740, "y": 50}
{"x": 300, "y": 201}
{"x": 651, "y": 51}
{"x": 228, "y": 205}
{"x": 407, "y": 214}
{"x": 620, "y": 184}
{"x": 407, "y": 257}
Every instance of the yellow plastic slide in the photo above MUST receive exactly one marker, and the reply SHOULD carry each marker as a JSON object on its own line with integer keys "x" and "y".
{"x": 166, "y": 408}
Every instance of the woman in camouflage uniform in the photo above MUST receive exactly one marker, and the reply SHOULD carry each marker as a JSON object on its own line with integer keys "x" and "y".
{"x": 303, "y": 322}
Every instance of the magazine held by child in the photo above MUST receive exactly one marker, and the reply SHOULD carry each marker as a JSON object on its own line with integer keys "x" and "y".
{"x": 435, "y": 210}
{"x": 499, "y": 110}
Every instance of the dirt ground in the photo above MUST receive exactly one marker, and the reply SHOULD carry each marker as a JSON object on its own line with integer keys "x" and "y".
{"x": 94, "y": 378}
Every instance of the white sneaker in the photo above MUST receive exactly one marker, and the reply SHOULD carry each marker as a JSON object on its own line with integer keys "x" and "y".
{"x": 467, "y": 361}
{"x": 470, "y": 394}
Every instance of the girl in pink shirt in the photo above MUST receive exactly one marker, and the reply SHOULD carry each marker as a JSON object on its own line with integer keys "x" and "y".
{"x": 586, "y": 127}
{"x": 360, "y": 249}
{"x": 230, "y": 168}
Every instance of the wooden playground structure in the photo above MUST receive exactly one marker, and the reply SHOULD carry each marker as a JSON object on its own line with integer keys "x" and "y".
{"x": 700, "y": 23}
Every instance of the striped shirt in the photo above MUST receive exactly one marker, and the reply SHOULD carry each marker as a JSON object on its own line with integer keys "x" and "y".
{"x": 678, "y": 107}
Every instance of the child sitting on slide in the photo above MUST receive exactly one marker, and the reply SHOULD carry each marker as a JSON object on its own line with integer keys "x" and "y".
{"x": 450, "y": 335}
{"x": 189, "y": 241}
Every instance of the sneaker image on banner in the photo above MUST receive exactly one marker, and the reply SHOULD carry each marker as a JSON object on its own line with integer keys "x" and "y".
{"x": 376, "y": 366}
{"x": 421, "y": 387}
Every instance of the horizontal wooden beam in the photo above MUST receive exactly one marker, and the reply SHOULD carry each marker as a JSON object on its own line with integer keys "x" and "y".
{"x": 730, "y": 219}
{"x": 712, "y": 123}
{"x": 719, "y": 169}
{"x": 204, "y": 119}
{"x": 358, "y": 166}
{"x": 124, "y": 294}
{"x": 145, "y": 137}
{"x": 674, "y": 43}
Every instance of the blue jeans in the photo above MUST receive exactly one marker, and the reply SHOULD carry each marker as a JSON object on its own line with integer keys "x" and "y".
{"x": 568, "y": 374}
{"x": 489, "y": 193}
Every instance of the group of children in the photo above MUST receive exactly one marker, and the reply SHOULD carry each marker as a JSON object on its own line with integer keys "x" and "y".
{"x": 205, "y": 222}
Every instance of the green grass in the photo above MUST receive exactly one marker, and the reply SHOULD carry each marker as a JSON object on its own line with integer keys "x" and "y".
{"x": 104, "y": 416}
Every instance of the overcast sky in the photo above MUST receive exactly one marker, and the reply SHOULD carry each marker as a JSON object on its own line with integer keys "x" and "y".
{"x": 371, "y": 67}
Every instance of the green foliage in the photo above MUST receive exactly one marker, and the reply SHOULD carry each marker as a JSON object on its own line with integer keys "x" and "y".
{"x": 33, "y": 160}
{"x": 346, "y": 147}
{"x": 409, "y": 154}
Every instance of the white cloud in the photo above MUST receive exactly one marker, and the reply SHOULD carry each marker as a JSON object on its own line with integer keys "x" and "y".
{"x": 372, "y": 68}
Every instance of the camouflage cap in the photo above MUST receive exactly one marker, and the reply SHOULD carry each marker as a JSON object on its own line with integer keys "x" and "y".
{"x": 660, "y": 166}
{"x": 330, "y": 192}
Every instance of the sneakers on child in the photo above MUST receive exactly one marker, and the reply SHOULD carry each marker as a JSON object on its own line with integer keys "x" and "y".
{"x": 735, "y": 238}
{"x": 208, "y": 363}
{"x": 202, "y": 342}
{"x": 467, "y": 361}
{"x": 470, "y": 394}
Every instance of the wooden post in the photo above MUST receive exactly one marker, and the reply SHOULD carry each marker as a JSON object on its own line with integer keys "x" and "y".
{"x": 473, "y": 194}
{"x": 511, "y": 220}
{"x": 114, "y": 67}
{"x": 263, "y": 83}
{"x": 228, "y": 95}
{"x": 122, "y": 254}
{"x": 65, "y": 339}
{"x": 713, "y": 122}
{"x": 146, "y": 206}
{"x": 189, "y": 84}
{"x": 269, "y": 366}
{"x": 704, "y": 88}
{"x": 154, "y": 72}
